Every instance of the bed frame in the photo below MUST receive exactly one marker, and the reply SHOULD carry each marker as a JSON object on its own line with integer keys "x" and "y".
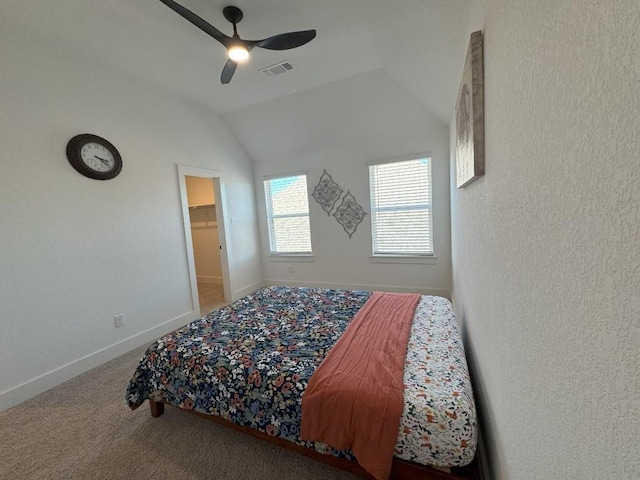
{"x": 400, "y": 469}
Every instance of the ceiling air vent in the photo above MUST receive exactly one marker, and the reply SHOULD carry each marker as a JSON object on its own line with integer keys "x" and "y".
{"x": 277, "y": 69}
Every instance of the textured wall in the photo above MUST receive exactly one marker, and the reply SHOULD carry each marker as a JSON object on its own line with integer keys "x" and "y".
{"x": 546, "y": 247}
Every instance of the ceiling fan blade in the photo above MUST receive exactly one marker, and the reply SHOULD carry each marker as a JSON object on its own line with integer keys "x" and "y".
{"x": 228, "y": 71}
{"x": 284, "y": 41}
{"x": 198, "y": 22}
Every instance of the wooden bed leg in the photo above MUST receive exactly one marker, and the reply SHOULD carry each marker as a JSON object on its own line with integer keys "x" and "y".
{"x": 157, "y": 408}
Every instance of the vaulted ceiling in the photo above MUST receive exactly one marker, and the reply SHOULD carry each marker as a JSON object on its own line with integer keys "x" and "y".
{"x": 419, "y": 43}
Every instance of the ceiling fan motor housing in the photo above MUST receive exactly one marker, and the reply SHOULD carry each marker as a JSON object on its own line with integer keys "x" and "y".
{"x": 233, "y": 14}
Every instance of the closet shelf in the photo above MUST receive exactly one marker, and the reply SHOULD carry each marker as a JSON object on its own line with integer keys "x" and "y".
{"x": 207, "y": 205}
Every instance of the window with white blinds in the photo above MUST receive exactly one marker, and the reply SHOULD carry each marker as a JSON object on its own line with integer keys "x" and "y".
{"x": 401, "y": 208}
{"x": 287, "y": 204}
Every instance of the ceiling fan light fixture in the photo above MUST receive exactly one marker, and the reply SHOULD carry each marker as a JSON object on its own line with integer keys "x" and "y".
{"x": 238, "y": 53}
{"x": 237, "y": 48}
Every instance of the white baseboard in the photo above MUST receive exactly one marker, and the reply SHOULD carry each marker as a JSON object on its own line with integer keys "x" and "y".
{"x": 247, "y": 290}
{"x": 209, "y": 280}
{"x": 356, "y": 286}
{"x": 16, "y": 395}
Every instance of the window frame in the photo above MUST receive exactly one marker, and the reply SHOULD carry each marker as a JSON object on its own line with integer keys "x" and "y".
{"x": 402, "y": 258}
{"x": 267, "y": 193}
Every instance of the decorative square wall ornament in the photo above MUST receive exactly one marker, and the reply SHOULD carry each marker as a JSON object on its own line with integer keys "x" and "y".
{"x": 349, "y": 214}
{"x": 470, "y": 116}
{"x": 327, "y": 192}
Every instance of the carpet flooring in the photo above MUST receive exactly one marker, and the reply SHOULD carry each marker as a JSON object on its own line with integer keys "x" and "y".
{"x": 82, "y": 430}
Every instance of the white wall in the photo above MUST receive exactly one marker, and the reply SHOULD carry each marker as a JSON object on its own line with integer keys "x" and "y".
{"x": 341, "y": 127}
{"x": 546, "y": 258}
{"x": 74, "y": 252}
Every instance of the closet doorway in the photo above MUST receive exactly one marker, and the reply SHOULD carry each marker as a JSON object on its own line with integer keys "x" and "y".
{"x": 204, "y": 231}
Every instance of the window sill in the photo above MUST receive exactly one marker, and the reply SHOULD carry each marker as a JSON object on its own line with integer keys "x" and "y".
{"x": 285, "y": 257}
{"x": 431, "y": 260}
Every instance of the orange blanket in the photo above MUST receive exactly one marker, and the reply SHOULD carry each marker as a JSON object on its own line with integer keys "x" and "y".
{"x": 354, "y": 400}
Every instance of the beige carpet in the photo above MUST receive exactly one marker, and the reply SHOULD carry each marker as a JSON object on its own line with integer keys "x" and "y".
{"x": 83, "y": 430}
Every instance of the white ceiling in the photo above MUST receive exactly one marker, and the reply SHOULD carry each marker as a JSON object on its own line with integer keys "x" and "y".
{"x": 420, "y": 43}
{"x": 333, "y": 120}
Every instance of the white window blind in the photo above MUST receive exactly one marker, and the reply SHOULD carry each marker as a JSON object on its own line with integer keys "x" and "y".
{"x": 401, "y": 208}
{"x": 288, "y": 215}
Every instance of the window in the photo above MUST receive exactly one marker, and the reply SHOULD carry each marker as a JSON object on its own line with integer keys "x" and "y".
{"x": 401, "y": 208}
{"x": 288, "y": 215}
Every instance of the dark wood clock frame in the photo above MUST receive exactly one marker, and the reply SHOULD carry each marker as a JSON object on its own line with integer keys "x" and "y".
{"x": 73, "y": 155}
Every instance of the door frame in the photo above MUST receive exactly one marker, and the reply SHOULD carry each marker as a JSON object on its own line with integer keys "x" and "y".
{"x": 218, "y": 187}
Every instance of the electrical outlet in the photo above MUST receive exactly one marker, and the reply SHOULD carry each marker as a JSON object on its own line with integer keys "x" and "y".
{"x": 291, "y": 270}
{"x": 119, "y": 320}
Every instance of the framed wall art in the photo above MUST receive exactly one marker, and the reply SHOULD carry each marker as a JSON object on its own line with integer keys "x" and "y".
{"x": 470, "y": 116}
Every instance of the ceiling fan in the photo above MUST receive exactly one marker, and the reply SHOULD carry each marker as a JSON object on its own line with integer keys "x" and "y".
{"x": 237, "y": 48}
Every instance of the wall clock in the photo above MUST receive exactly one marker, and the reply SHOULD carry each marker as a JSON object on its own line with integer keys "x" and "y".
{"x": 94, "y": 157}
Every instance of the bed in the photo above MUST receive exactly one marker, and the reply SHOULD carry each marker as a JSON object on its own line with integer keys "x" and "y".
{"x": 247, "y": 365}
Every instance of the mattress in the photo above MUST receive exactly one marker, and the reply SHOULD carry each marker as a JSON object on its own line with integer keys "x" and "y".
{"x": 250, "y": 363}
{"x": 438, "y": 425}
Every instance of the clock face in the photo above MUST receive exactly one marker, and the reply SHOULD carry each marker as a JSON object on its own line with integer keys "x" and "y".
{"x": 97, "y": 157}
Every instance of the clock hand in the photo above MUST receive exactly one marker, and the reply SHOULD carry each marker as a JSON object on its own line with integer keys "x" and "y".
{"x": 106, "y": 162}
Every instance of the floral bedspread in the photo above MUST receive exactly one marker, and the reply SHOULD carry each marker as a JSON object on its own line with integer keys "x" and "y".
{"x": 250, "y": 363}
